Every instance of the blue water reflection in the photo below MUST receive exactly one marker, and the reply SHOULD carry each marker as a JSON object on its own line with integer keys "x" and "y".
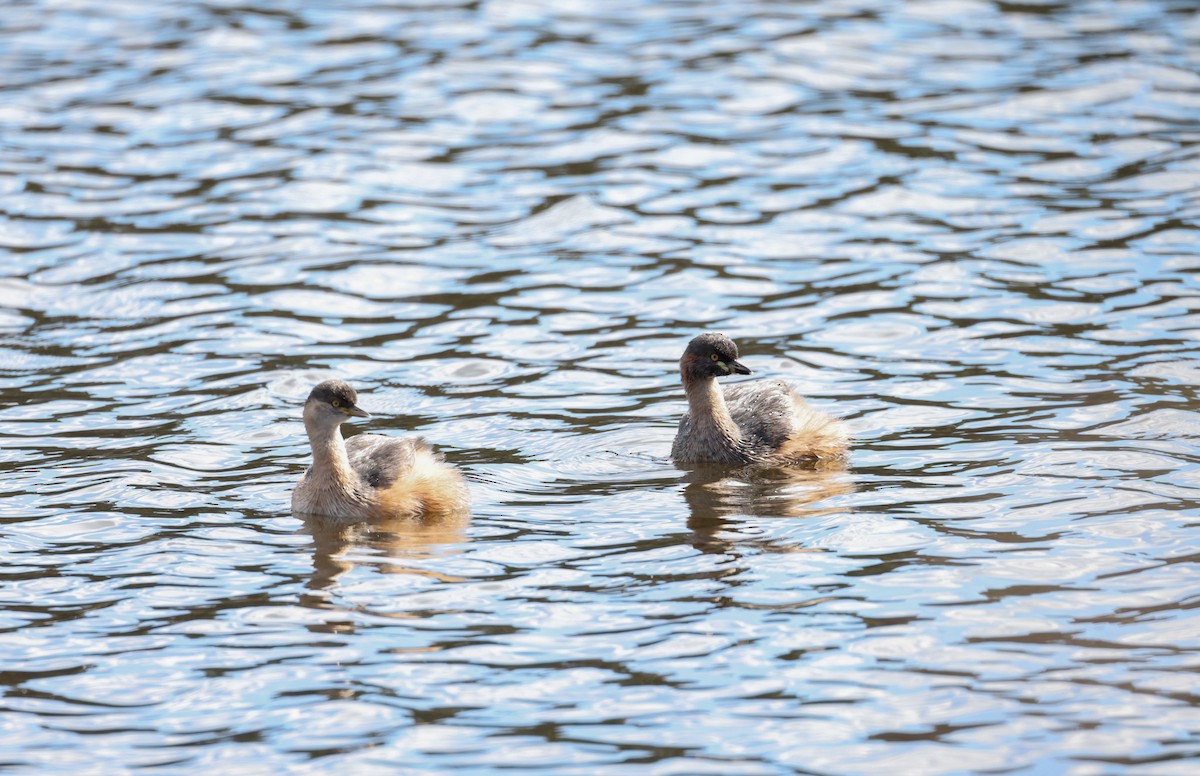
{"x": 967, "y": 227}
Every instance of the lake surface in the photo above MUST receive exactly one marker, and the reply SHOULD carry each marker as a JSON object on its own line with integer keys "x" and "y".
{"x": 969, "y": 228}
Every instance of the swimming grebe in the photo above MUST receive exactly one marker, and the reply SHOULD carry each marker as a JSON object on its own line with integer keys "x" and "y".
{"x": 369, "y": 475}
{"x": 759, "y": 422}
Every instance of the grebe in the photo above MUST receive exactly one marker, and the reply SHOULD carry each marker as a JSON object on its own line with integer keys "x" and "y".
{"x": 761, "y": 422}
{"x": 369, "y": 476}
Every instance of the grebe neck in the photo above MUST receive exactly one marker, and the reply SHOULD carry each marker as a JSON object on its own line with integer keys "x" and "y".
{"x": 331, "y": 464}
{"x": 706, "y": 404}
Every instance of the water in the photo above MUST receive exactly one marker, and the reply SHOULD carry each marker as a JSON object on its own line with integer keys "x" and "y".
{"x": 969, "y": 228}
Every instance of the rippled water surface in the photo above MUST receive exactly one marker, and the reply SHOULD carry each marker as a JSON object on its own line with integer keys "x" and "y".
{"x": 969, "y": 228}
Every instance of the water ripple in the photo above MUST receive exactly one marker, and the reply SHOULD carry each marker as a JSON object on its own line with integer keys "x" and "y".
{"x": 968, "y": 228}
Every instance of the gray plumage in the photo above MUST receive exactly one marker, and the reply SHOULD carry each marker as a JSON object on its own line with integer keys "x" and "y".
{"x": 763, "y": 412}
{"x": 380, "y": 460}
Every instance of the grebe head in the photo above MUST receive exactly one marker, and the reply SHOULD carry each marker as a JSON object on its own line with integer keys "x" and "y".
{"x": 711, "y": 355}
{"x": 331, "y": 402}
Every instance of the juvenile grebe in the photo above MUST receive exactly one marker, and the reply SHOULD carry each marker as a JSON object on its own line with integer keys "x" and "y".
{"x": 759, "y": 422}
{"x": 369, "y": 476}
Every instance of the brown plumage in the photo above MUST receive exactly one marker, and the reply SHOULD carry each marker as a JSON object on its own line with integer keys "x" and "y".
{"x": 761, "y": 422}
{"x": 369, "y": 476}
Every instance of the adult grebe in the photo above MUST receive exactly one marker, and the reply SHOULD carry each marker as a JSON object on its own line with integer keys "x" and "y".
{"x": 759, "y": 422}
{"x": 369, "y": 475}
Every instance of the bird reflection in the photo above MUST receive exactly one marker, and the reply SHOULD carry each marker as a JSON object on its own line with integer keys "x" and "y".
{"x": 384, "y": 544}
{"x": 716, "y": 496}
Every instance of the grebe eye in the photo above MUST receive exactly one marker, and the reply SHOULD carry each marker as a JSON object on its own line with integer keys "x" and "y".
{"x": 715, "y": 357}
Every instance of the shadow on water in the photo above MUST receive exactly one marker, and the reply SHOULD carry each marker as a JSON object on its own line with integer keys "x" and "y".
{"x": 390, "y": 546}
{"x": 717, "y": 497}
